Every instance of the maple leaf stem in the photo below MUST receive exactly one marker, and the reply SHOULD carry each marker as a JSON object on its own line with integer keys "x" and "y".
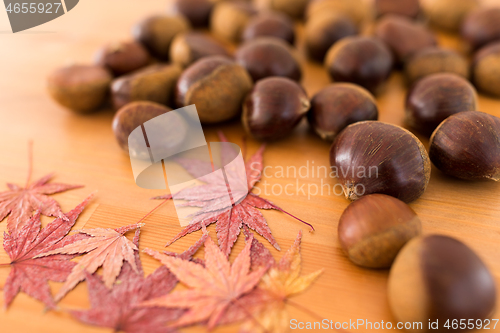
{"x": 249, "y": 315}
{"x": 303, "y": 309}
{"x": 153, "y": 210}
{"x": 30, "y": 162}
{"x": 287, "y": 213}
{"x": 4, "y": 265}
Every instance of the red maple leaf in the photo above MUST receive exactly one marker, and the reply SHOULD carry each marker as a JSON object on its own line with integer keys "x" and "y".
{"x": 117, "y": 307}
{"x": 30, "y": 274}
{"x": 21, "y": 202}
{"x": 229, "y": 220}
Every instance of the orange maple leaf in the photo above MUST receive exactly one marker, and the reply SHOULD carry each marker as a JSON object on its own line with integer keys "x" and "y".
{"x": 214, "y": 287}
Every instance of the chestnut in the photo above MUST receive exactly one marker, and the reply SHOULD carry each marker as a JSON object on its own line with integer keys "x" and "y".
{"x": 362, "y": 60}
{"x": 191, "y": 46}
{"x": 449, "y": 14}
{"x": 217, "y": 85}
{"x": 467, "y": 146}
{"x": 157, "y": 32}
{"x": 123, "y": 57}
{"x": 270, "y": 24}
{"x": 374, "y": 157}
{"x": 407, "y": 8}
{"x": 293, "y": 8}
{"x": 337, "y": 106}
{"x": 357, "y": 10}
{"x": 325, "y": 29}
{"x": 438, "y": 278}
{"x": 374, "y": 228}
{"x": 436, "y": 97}
{"x": 197, "y": 12}
{"x": 81, "y": 88}
{"x": 273, "y": 108}
{"x": 403, "y": 36}
{"x": 154, "y": 83}
{"x": 268, "y": 56}
{"x": 481, "y": 27}
{"x": 229, "y": 19}
{"x": 434, "y": 60}
{"x": 485, "y": 69}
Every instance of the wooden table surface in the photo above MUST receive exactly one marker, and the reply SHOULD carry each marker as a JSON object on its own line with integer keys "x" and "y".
{"x": 82, "y": 150}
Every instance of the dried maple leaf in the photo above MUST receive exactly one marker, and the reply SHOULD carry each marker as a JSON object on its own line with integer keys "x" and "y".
{"x": 214, "y": 287}
{"x": 103, "y": 247}
{"x": 21, "y": 202}
{"x": 30, "y": 273}
{"x": 228, "y": 221}
{"x": 117, "y": 307}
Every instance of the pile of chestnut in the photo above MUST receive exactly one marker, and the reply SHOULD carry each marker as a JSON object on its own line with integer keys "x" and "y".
{"x": 237, "y": 58}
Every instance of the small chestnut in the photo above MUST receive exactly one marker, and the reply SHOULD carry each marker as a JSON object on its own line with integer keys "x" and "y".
{"x": 467, "y": 146}
{"x": 323, "y": 30}
{"x": 157, "y": 32}
{"x": 438, "y": 278}
{"x": 362, "y": 60}
{"x": 154, "y": 83}
{"x": 357, "y": 10}
{"x": 197, "y": 12}
{"x": 229, "y": 19}
{"x": 434, "y": 60}
{"x": 268, "y": 56}
{"x": 337, "y": 106}
{"x": 270, "y": 24}
{"x": 374, "y": 228}
{"x": 123, "y": 57}
{"x": 486, "y": 69}
{"x": 436, "y": 97}
{"x": 403, "y": 36}
{"x": 217, "y": 85}
{"x": 273, "y": 108}
{"x": 189, "y": 47}
{"x": 293, "y": 8}
{"x": 449, "y": 14}
{"x": 81, "y": 88}
{"x": 374, "y": 157}
{"x": 481, "y": 27}
{"x": 407, "y": 8}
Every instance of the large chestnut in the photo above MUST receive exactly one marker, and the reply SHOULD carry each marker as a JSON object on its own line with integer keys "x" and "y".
{"x": 436, "y": 97}
{"x": 408, "y": 8}
{"x": 229, "y": 19}
{"x": 123, "y": 57}
{"x": 196, "y": 11}
{"x": 357, "y": 10}
{"x": 268, "y": 56}
{"x": 481, "y": 27}
{"x": 467, "y": 146}
{"x": 374, "y": 228}
{"x": 439, "y": 279}
{"x": 189, "y": 47}
{"x": 486, "y": 69}
{"x": 270, "y": 24}
{"x": 273, "y": 108}
{"x": 449, "y": 14}
{"x": 217, "y": 85}
{"x": 293, "y": 8}
{"x": 403, "y": 36}
{"x": 374, "y": 157}
{"x": 362, "y": 60}
{"x": 338, "y": 105}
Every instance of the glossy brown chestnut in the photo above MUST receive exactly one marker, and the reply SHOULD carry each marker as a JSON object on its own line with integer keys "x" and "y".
{"x": 467, "y": 146}
{"x": 157, "y": 32}
{"x": 481, "y": 27}
{"x": 268, "y": 56}
{"x": 434, "y": 60}
{"x": 270, "y": 24}
{"x": 357, "y": 10}
{"x": 486, "y": 69}
{"x": 197, "y": 12}
{"x": 438, "y": 278}
{"x": 436, "y": 97}
{"x": 325, "y": 29}
{"x": 81, "y": 88}
{"x": 374, "y": 228}
{"x": 189, "y": 47}
{"x": 449, "y": 14}
{"x": 293, "y": 8}
{"x": 337, "y": 106}
{"x": 229, "y": 19}
{"x": 374, "y": 157}
{"x": 154, "y": 83}
{"x": 273, "y": 108}
{"x": 217, "y": 85}
{"x": 403, "y": 36}
{"x": 123, "y": 57}
{"x": 408, "y": 8}
{"x": 362, "y": 60}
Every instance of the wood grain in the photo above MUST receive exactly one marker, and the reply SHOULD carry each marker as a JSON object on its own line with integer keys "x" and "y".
{"x": 82, "y": 150}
